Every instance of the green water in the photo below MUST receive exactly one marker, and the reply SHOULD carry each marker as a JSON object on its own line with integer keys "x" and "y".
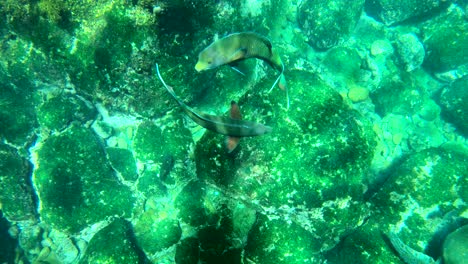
{"x": 98, "y": 163}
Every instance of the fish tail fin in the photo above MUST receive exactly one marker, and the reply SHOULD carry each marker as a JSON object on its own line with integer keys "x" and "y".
{"x": 168, "y": 88}
{"x": 281, "y": 81}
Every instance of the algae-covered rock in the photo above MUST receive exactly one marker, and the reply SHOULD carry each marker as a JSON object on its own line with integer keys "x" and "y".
{"x": 190, "y": 204}
{"x": 17, "y": 113}
{"x": 344, "y": 62}
{"x": 327, "y": 23}
{"x": 153, "y": 144}
{"x": 113, "y": 244}
{"x": 456, "y": 247}
{"x": 453, "y": 101}
{"x": 75, "y": 182}
{"x": 364, "y": 245}
{"x": 188, "y": 251}
{"x": 313, "y": 159}
{"x": 410, "y": 52}
{"x": 122, "y": 160}
{"x": 16, "y": 195}
{"x": 155, "y": 231}
{"x": 280, "y": 241}
{"x": 7, "y": 251}
{"x": 394, "y": 11}
{"x": 58, "y": 112}
{"x": 446, "y": 46}
{"x": 399, "y": 96}
{"x": 419, "y": 192}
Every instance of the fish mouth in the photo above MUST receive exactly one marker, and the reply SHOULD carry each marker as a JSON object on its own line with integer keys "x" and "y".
{"x": 199, "y": 67}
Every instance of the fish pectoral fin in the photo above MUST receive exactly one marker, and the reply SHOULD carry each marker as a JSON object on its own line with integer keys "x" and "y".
{"x": 232, "y": 143}
{"x": 239, "y": 54}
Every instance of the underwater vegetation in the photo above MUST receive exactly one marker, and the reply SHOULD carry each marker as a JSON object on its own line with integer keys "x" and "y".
{"x": 366, "y": 162}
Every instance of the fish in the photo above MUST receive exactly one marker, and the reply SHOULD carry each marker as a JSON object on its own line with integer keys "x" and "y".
{"x": 407, "y": 254}
{"x": 233, "y": 127}
{"x": 240, "y": 46}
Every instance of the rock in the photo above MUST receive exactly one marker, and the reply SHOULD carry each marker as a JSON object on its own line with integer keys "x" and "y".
{"x": 429, "y": 111}
{"x": 358, "y": 94}
{"x": 122, "y": 160}
{"x": 410, "y": 52}
{"x": 280, "y": 241}
{"x": 328, "y": 23}
{"x": 343, "y": 61}
{"x": 297, "y": 173}
{"x": 395, "y": 11}
{"x": 381, "y": 47}
{"x": 456, "y": 247}
{"x": 75, "y": 182}
{"x": 17, "y": 197}
{"x": 113, "y": 244}
{"x": 446, "y": 46}
{"x": 419, "y": 192}
{"x": 155, "y": 231}
{"x": 453, "y": 100}
{"x": 58, "y": 112}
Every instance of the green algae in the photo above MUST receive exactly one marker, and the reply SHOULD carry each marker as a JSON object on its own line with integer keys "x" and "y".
{"x": 122, "y": 160}
{"x": 75, "y": 182}
{"x": 155, "y": 233}
{"x": 58, "y": 112}
{"x": 453, "y": 103}
{"x": 17, "y": 199}
{"x": 430, "y": 182}
{"x": 276, "y": 241}
{"x": 113, "y": 244}
{"x": 190, "y": 204}
{"x": 321, "y": 25}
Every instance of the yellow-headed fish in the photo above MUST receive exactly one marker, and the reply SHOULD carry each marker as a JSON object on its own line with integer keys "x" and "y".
{"x": 240, "y": 46}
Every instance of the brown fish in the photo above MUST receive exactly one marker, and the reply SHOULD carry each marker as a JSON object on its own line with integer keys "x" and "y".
{"x": 240, "y": 46}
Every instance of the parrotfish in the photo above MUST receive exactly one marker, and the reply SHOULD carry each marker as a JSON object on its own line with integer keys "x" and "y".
{"x": 233, "y": 126}
{"x": 240, "y": 46}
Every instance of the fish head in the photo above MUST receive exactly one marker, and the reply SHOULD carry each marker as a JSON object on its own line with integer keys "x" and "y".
{"x": 210, "y": 58}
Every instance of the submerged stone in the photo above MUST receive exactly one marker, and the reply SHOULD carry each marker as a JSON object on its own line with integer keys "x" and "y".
{"x": 328, "y": 23}
{"x": 456, "y": 246}
{"x": 17, "y": 198}
{"x": 75, "y": 182}
{"x": 311, "y": 164}
{"x": 58, "y": 112}
{"x": 419, "y": 192}
{"x": 154, "y": 231}
{"x": 122, "y": 160}
{"x": 395, "y": 11}
{"x": 113, "y": 244}
{"x": 410, "y": 52}
{"x": 446, "y": 46}
{"x": 453, "y": 101}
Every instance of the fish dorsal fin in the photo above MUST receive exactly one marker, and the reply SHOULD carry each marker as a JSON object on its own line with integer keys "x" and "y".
{"x": 234, "y": 112}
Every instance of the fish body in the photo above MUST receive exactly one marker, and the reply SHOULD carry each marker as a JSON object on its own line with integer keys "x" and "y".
{"x": 222, "y": 125}
{"x": 240, "y": 46}
{"x": 237, "y": 47}
{"x": 407, "y": 254}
